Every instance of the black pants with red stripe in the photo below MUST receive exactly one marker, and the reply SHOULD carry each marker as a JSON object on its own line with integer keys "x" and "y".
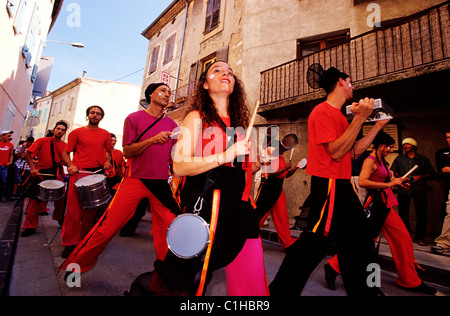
{"x": 347, "y": 231}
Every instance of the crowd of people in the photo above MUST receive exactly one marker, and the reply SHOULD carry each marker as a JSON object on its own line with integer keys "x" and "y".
{"x": 214, "y": 157}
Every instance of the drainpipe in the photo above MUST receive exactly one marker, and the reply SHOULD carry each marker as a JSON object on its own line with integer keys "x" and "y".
{"x": 182, "y": 44}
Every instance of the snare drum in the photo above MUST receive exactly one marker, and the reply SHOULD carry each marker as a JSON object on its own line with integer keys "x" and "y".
{"x": 51, "y": 190}
{"x": 92, "y": 191}
{"x": 188, "y": 236}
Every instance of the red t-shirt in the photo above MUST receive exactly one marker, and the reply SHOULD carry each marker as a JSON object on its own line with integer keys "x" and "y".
{"x": 276, "y": 165}
{"x": 89, "y": 146}
{"x": 117, "y": 162}
{"x": 326, "y": 124}
{"x": 42, "y": 148}
{"x": 5, "y": 152}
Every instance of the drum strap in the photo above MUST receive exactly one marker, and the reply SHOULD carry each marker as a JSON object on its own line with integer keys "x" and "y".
{"x": 211, "y": 178}
{"x": 148, "y": 128}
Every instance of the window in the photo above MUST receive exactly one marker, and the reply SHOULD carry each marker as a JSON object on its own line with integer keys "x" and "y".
{"x": 29, "y": 48}
{"x": 53, "y": 110}
{"x": 154, "y": 60}
{"x": 212, "y": 15}
{"x": 208, "y": 62}
{"x": 20, "y": 24}
{"x": 71, "y": 104}
{"x": 313, "y": 44}
{"x": 44, "y": 115}
{"x": 9, "y": 116}
{"x": 61, "y": 105}
{"x": 170, "y": 45}
{"x": 11, "y": 7}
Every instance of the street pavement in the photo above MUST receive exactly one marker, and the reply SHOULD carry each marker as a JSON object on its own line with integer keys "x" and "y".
{"x": 36, "y": 258}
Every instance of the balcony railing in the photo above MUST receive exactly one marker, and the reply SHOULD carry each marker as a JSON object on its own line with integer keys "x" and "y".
{"x": 180, "y": 95}
{"x": 417, "y": 40}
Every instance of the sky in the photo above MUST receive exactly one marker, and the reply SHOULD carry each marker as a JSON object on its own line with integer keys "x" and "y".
{"x": 111, "y": 32}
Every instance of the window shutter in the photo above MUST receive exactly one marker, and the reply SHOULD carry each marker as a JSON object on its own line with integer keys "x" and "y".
{"x": 222, "y": 54}
{"x": 154, "y": 60}
{"x": 170, "y": 45}
{"x": 208, "y": 15}
{"x": 215, "y": 14}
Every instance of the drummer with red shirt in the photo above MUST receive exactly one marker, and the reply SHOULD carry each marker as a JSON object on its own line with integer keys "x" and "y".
{"x": 88, "y": 144}
{"x": 48, "y": 163}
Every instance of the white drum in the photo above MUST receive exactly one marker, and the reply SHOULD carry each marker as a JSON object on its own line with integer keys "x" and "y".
{"x": 51, "y": 190}
{"x": 92, "y": 191}
{"x": 188, "y": 236}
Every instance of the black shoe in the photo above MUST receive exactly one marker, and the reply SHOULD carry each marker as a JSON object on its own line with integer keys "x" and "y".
{"x": 422, "y": 288}
{"x": 330, "y": 276}
{"x": 126, "y": 233}
{"x": 28, "y": 232}
{"x": 67, "y": 251}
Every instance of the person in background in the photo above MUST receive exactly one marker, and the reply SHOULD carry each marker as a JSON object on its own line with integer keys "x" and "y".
{"x": 418, "y": 190}
{"x": 271, "y": 198}
{"x": 376, "y": 177}
{"x": 6, "y": 159}
{"x": 48, "y": 151}
{"x": 443, "y": 168}
{"x": 116, "y": 173}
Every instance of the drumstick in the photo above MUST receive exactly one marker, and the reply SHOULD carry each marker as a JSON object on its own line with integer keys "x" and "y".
{"x": 84, "y": 171}
{"x": 90, "y": 172}
{"x": 409, "y": 172}
{"x": 46, "y": 174}
{"x": 252, "y": 121}
{"x": 292, "y": 152}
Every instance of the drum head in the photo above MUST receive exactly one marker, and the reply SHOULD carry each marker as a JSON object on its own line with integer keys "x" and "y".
{"x": 188, "y": 236}
{"x": 51, "y": 184}
{"x": 89, "y": 180}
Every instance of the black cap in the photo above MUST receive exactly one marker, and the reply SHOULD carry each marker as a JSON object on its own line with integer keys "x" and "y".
{"x": 151, "y": 88}
{"x": 330, "y": 77}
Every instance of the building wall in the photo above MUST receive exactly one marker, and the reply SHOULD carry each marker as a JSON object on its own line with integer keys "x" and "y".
{"x": 16, "y": 71}
{"x": 69, "y": 103}
{"x": 170, "y": 67}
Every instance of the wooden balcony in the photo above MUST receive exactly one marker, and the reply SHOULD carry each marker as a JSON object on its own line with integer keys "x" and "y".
{"x": 415, "y": 46}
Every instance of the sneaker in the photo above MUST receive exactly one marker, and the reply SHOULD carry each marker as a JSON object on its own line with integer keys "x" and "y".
{"x": 439, "y": 250}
